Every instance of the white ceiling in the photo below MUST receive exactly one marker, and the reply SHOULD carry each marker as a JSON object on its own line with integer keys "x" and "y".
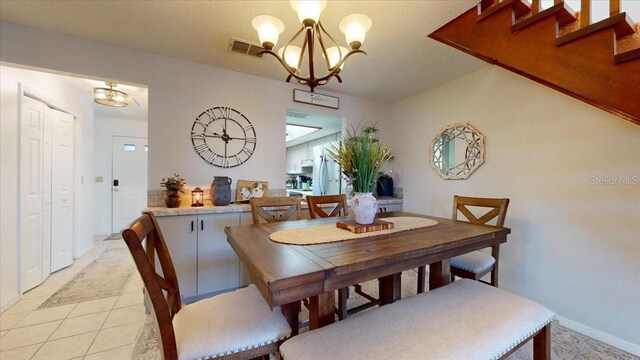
{"x": 401, "y": 60}
{"x": 328, "y": 125}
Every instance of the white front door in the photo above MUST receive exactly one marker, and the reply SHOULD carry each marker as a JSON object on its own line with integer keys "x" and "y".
{"x": 62, "y": 190}
{"x": 31, "y": 192}
{"x": 129, "y": 180}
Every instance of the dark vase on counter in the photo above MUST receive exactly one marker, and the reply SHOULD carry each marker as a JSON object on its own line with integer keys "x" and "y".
{"x": 172, "y": 200}
{"x": 221, "y": 190}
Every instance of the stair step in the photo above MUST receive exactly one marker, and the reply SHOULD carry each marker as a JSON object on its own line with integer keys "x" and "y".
{"x": 563, "y": 13}
{"x": 628, "y": 48}
{"x": 519, "y": 7}
{"x": 621, "y": 24}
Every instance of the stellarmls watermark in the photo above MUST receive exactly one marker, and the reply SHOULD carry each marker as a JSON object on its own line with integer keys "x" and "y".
{"x": 614, "y": 180}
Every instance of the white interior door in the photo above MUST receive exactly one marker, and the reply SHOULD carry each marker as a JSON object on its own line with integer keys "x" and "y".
{"x": 62, "y": 190}
{"x": 31, "y": 193}
{"x": 129, "y": 180}
{"x": 46, "y": 191}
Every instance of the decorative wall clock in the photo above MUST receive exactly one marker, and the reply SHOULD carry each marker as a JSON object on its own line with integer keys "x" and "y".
{"x": 223, "y": 137}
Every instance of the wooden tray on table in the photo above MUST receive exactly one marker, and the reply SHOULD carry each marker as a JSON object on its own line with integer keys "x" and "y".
{"x": 356, "y": 228}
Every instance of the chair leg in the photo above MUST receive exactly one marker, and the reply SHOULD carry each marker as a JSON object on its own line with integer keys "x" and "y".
{"x": 421, "y": 276}
{"x": 495, "y": 252}
{"x": 453, "y": 277}
{"x": 542, "y": 344}
{"x": 343, "y": 294}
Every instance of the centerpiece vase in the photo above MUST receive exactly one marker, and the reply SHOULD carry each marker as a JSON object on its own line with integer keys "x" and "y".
{"x": 172, "y": 200}
{"x": 364, "y": 207}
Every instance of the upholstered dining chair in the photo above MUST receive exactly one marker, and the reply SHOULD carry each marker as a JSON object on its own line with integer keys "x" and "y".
{"x": 233, "y": 325}
{"x": 274, "y": 209}
{"x": 336, "y": 205}
{"x": 476, "y": 264}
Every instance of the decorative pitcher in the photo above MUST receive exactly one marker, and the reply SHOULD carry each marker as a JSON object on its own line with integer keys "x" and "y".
{"x": 364, "y": 207}
{"x": 221, "y": 190}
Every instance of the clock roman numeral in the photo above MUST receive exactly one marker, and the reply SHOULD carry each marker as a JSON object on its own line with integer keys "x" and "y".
{"x": 201, "y": 148}
{"x": 247, "y": 151}
{"x": 247, "y": 127}
{"x": 250, "y": 140}
{"x": 197, "y": 136}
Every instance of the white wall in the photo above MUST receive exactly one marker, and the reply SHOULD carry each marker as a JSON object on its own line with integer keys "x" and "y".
{"x": 104, "y": 130}
{"x": 178, "y": 92}
{"x": 58, "y": 93}
{"x": 574, "y": 245}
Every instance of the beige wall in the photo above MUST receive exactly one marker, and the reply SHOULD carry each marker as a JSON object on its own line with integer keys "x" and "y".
{"x": 575, "y": 246}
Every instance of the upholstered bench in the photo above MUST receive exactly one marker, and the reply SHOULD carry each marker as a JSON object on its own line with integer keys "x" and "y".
{"x": 463, "y": 320}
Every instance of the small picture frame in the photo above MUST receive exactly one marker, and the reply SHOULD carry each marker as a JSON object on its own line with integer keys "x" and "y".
{"x": 246, "y": 189}
{"x": 313, "y": 98}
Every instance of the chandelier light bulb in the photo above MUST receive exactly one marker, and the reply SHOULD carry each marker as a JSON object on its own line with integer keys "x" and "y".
{"x": 355, "y": 28}
{"x": 309, "y": 10}
{"x": 335, "y": 56}
{"x": 269, "y": 29}
{"x": 292, "y": 56}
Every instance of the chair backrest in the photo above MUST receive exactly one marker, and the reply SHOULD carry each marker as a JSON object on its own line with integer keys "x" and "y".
{"x": 164, "y": 307}
{"x": 274, "y": 209}
{"x": 498, "y": 209}
{"x": 315, "y": 211}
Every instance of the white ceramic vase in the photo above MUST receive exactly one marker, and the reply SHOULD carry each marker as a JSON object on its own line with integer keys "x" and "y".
{"x": 364, "y": 207}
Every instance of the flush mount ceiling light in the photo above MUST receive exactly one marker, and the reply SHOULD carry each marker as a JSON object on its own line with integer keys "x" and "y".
{"x": 110, "y": 96}
{"x": 291, "y": 57}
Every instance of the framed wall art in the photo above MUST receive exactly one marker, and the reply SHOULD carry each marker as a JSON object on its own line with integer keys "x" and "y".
{"x": 308, "y": 97}
{"x": 246, "y": 189}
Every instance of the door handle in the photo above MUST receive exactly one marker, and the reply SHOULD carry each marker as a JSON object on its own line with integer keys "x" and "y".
{"x": 191, "y": 225}
{"x": 201, "y": 225}
{"x": 116, "y": 182}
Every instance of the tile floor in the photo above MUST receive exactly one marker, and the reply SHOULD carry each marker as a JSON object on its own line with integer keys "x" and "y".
{"x": 97, "y": 329}
{"x": 108, "y": 328}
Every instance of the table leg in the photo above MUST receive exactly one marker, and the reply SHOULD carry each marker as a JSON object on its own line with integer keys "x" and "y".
{"x": 439, "y": 274}
{"x": 291, "y": 312}
{"x": 389, "y": 287}
{"x": 322, "y": 310}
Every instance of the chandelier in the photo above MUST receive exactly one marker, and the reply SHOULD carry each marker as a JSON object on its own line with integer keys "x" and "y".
{"x": 110, "y": 96}
{"x": 292, "y": 57}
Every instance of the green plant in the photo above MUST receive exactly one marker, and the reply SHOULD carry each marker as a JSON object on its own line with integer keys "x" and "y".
{"x": 173, "y": 184}
{"x": 361, "y": 157}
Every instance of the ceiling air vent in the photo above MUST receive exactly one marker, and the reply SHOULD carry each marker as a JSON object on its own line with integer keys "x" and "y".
{"x": 244, "y": 47}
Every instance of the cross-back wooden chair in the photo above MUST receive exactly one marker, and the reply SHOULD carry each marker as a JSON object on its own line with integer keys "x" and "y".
{"x": 274, "y": 209}
{"x": 233, "y": 325}
{"x": 339, "y": 208}
{"x": 475, "y": 264}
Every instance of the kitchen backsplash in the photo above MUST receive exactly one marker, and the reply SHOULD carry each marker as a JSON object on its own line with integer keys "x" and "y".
{"x": 155, "y": 198}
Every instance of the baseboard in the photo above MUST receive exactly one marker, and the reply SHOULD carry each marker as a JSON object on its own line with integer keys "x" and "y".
{"x": 9, "y": 304}
{"x": 600, "y": 336}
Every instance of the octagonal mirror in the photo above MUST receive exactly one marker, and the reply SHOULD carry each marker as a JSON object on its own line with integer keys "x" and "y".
{"x": 457, "y": 151}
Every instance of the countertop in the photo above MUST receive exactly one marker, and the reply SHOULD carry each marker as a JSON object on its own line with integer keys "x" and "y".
{"x": 233, "y": 208}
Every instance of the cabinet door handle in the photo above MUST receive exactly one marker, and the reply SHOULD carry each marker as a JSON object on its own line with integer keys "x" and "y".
{"x": 385, "y": 209}
{"x": 201, "y": 225}
{"x": 191, "y": 225}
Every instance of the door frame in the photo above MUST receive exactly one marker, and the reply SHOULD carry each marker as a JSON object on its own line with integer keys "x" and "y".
{"x": 36, "y": 95}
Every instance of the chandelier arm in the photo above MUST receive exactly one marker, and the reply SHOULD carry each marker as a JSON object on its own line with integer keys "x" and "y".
{"x": 334, "y": 72}
{"x": 324, "y": 50}
{"x": 284, "y": 49}
{"x": 310, "y": 36}
{"x": 291, "y": 73}
{"x": 304, "y": 49}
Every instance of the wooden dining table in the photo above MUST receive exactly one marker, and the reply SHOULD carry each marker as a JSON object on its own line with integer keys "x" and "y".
{"x": 286, "y": 274}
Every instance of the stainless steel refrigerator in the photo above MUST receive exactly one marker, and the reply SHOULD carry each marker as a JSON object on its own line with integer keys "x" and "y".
{"x": 326, "y": 172}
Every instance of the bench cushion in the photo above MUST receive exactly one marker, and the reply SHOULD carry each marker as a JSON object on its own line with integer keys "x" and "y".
{"x": 463, "y": 320}
{"x": 476, "y": 261}
{"x": 226, "y": 324}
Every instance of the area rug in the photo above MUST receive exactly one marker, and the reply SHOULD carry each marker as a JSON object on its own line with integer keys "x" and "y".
{"x": 104, "y": 277}
{"x": 114, "y": 236}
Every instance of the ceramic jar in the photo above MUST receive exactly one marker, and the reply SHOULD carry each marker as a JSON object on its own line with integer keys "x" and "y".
{"x": 364, "y": 207}
{"x": 221, "y": 190}
{"x": 172, "y": 200}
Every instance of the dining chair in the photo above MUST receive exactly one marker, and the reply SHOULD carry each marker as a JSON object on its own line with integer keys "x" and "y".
{"x": 274, "y": 209}
{"x": 476, "y": 264}
{"x": 336, "y": 205}
{"x": 233, "y": 325}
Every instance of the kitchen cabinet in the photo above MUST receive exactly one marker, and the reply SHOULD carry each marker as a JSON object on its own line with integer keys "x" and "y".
{"x": 203, "y": 259}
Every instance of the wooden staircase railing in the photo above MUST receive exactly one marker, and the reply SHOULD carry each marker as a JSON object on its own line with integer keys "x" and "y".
{"x": 598, "y": 63}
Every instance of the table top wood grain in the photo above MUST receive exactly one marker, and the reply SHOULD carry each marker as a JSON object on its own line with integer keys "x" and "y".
{"x": 287, "y": 273}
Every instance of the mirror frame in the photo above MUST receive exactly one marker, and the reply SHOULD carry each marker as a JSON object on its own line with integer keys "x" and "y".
{"x": 475, "y": 143}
